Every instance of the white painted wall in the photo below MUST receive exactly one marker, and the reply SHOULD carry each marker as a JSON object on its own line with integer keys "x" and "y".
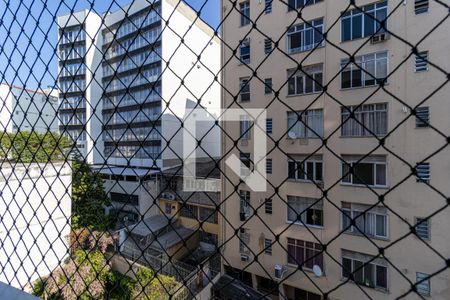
{"x": 35, "y": 213}
{"x": 186, "y": 77}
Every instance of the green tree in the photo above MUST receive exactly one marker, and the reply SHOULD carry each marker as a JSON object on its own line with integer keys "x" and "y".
{"x": 151, "y": 286}
{"x": 27, "y": 147}
{"x": 88, "y": 198}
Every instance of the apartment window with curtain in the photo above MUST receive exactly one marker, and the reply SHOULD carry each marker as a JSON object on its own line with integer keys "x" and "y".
{"x": 367, "y": 70}
{"x": 305, "y": 124}
{"x": 305, "y": 211}
{"x": 244, "y": 8}
{"x": 244, "y": 204}
{"x": 306, "y": 81}
{"x": 244, "y": 240}
{"x": 244, "y": 49}
{"x": 306, "y": 36}
{"x": 371, "y": 170}
{"x": 366, "y": 271}
{"x": 245, "y": 126}
{"x": 244, "y": 84}
{"x": 296, "y": 4}
{"x": 304, "y": 253}
{"x": 363, "y": 21}
{"x": 371, "y": 221}
{"x": 369, "y": 120}
{"x": 305, "y": 168}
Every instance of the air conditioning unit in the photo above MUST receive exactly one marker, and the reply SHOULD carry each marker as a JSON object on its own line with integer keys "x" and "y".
{"x": 244, "y": 257}
{"x": 279, "y": 271}
{"x": 379, "y": 38}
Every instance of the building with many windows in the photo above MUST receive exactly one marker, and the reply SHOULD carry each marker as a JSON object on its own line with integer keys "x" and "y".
{"x": 157, "y": 61}
{"x": 27, "y": 110}
{"x": 349, "y": 117}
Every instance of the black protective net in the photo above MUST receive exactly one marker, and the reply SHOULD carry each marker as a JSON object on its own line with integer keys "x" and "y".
{"x": 206, "y": 149}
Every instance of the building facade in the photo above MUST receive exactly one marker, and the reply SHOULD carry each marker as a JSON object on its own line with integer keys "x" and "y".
{"x": 27, "y": 110}
{"x": 36, "y": 212}
{"x": 157, "y": 61}
{"x": 326, "y": 114}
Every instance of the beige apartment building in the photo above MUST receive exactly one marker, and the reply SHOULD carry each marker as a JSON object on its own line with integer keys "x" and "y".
{"x": 323, "y": 117}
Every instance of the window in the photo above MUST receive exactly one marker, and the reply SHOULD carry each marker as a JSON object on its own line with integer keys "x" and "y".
{"x": 304, "y": 253}
{"x": 246, "y": 161}
{"x": 268, "y": 86}
{"x": 245, "y": 89}
{"x": 423, "y": 283}
{"x": 422, "y": 116}
{"x": 305, "y": 295}
{"x": 269, "y": 125}
{"x": 373, "y": 222}
{"x": 189, "y": 211}
{"x": 244, "y": 206}
{"x": 305, "y": 168}
{"x": 268, "y": 206}
{"x": 422, "y": 61}
{"x": 245, "y": 128}
{"x": 245, "y": 13}
{"x": 269, "y": 166}
{"x": 371, "y": 274}
{"x": 368, "y": 70}
{"x": 208, "y": 215}
{"x": 124, "y": 198}
{"x": 306, "y": 81}
{"x": 305, "y": 124}
{"x": 168, "y": 208}
{"x": 268, "y": 246}
{"x": 244, "y": 240}
{"x": 268, "y": 6}
{"x": 306, "y": 211}
{"x": 296, "y": 4}
{"x": 369, "y": 120}
{"x": 423, "y": 228}
{"x": 244, "y": 49}
{"x": 306, "y": 36}
{"x": 364, "y": 21}
{"x": 420, "y": 6}
{"x": 423, "y": 172}
{"x": 369, "y": 171}
{"x": 267, "y": 46}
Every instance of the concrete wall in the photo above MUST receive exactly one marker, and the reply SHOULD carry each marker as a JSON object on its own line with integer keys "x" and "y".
{"x": 36, "y": 212}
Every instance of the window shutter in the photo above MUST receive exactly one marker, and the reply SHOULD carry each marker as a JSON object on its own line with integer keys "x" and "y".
{"x": 420, "y": 6}
{"x": 422, "y": 116}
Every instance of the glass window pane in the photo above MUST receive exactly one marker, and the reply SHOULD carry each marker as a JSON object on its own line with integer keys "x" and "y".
{"x": 357, "y": 26}
{"x": 363, "y": 174}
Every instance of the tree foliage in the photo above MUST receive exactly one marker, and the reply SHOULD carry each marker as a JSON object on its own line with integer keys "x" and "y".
{"x": 151, "y": 286}
{"x": 27, "y": 147}
{"x": 88, "y": 198}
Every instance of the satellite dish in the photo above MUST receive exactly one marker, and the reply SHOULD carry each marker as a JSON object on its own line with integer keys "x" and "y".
{"x": 317, "y": 271}
{"x": 292, "y": 135}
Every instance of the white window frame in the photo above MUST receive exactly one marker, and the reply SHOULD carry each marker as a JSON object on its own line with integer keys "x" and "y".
{"x": 353, "y": 259}
{"x": 303, "y": 28}
{"x": 307, "y": 73}
{"x": 375, "y": 185}
{"x": 304, "y": 128}
{"x": 245, "y": 43}
{"x": 365, "y": 113}
{"x": 363, "y": 60}
{"x": 315, "y": 160}
{"x": 303, "y": 213}
{"x": 353, "y": 213}
{"x": 244, "y": 9}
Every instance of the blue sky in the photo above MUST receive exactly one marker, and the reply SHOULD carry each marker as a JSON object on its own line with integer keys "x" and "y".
{"x": 28, "y": 41}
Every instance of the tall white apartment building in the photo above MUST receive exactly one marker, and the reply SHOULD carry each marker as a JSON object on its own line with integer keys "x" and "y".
{"x": 133, "y": 79}
{"x": 27, "y": 110}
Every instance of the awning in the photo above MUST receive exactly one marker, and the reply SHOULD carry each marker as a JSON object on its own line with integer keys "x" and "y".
{"x": 230, "y": 288}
